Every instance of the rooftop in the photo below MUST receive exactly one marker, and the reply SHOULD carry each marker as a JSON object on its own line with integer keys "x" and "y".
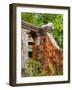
{"x": 34, "y": 28}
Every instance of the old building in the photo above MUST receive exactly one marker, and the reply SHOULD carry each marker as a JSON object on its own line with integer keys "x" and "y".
{"x": 38, "y": 43}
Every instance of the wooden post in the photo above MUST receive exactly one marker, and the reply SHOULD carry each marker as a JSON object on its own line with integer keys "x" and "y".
{"x": 34, "y": 49}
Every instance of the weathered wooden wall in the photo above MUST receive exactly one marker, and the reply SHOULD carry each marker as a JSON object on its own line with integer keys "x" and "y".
{"x": 24, "y": 48}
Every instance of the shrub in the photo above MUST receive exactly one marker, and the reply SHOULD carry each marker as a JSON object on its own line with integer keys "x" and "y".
{"x": 32, "y": 68}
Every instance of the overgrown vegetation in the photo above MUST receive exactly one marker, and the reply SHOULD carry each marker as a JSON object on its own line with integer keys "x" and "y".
{"x": 34, "y": 68}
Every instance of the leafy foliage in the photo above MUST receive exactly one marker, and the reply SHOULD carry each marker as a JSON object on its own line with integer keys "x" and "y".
{"x": 34, "y": 68}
